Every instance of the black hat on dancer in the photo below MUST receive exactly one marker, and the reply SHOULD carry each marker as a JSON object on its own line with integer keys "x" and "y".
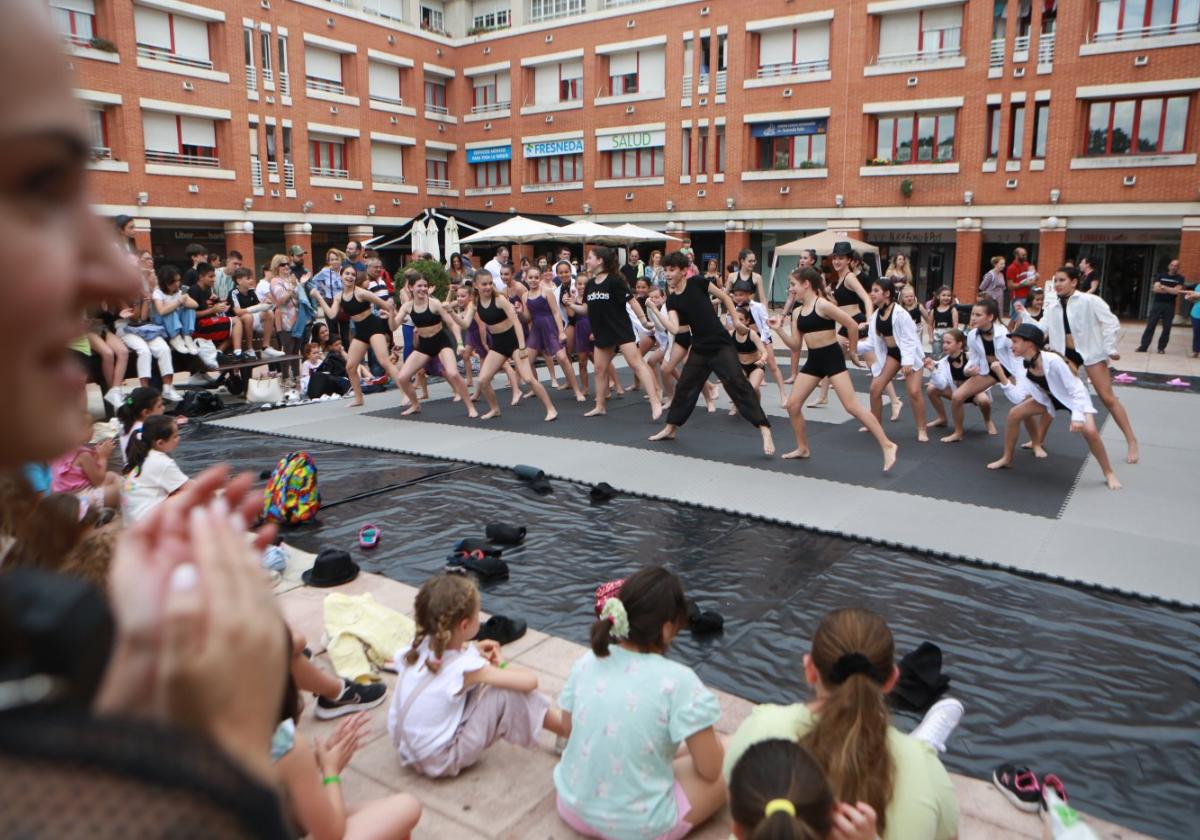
{"x": 742, "y": 286}
{"x": 1029, "y": 332}
{"x": 842, "y": 249}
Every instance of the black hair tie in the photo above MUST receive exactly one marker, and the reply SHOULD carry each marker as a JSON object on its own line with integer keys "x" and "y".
{"x": 848, "y": 665}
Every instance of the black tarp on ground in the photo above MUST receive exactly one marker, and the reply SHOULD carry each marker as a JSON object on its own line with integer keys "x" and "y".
{"x": 1101, "y": 689}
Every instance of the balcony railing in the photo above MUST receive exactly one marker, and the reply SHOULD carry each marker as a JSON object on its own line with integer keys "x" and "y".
{"x": 376, "y": 10}
{"x": 491, "y": 107}
{"x": 101, "y": 153}
{"x": 285, "y": 85}
{"x": 182, "y": 160}
{"x": 157, "y": 54}
{"x": 391, "y": 100}
{"x": 289, "y": 175}
{"x": 774, "y": 71}
{"x": 722, "y": 82}
{"x": 437, "y": 109}
{"x": 323, "y": 85}
{"x": 551, "y": 9}
{"x": 609, "y": 4}
{"x": 1046, "y": 48}
{"x": 272, "y": 167}
{"x": 687, "y": 86}
{"x": 702, "y": 87}
{"x": 328, "y": 172}
{"x": 251, "y": 77}
{"x": 1021, "y": 44}
{"x": 996, "y": 54}
{"x": 268, "y": 76}
{"x": 77, "y": 40}
{"x": 919, "y": 56}
{"x": 387, "y": 179}
{"x": 437, "y": 183}
{"x": 1145, "y": 32}
{"x": 256, "y": 172}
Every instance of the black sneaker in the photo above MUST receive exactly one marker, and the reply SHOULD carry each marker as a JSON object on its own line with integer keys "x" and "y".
{"x": 356, "y": 697}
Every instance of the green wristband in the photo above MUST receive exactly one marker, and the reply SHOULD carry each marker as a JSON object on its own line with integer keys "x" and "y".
{"x": 502, "y": 665}
{"x": 331, "y": 780}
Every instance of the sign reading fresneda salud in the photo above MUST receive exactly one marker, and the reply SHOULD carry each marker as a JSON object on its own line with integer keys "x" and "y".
{"x": 631, "y": 140}
{"x": 550, "y": 148}
{"x": 491, "y": 154}
{"x": 792, "y": 128}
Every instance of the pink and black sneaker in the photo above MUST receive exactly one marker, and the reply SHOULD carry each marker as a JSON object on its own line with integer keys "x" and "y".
{"x": 1020, "y": 785}
{"x": 1052, "y": 782}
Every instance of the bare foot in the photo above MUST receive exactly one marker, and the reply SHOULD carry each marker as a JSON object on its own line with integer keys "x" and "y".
{"x": 796, "y": 453}
{"x": 935, "y": 424}
{"x": 516, "y": 400}
{"x": 768, "y": 442}
{"x": 595, "y": 412}
{"x": 819, "y": 403}
{"x": 472, "y": 413}
{"x": 1002, "y": 464}
{"x": 580, "y": 397}
{"x": 889, "y": 456}
{"x": 1039, "y": 452}
{"x": 733, "y": 411}
{"x": 666, "y": 433}
{"x": 457, "y": 398}
{"x": 1027, "y": 445}
{"x": 992, "y": 429}
{"x": 712, "y": 408}
{"x": 553, "y": 415}
{"x": 415, "y": 408}
{"x": 897, "y": 407}
{"x": 922, "y": 437}
{"x": 1130, "y": 458}
{"x": 357, "y": 403}
{"x": 558, "y": 386}
{"x": 790, "y": 380}
{"x": 952, "y": 438}
{"x": 495, "y": 412}
{"x": 655, "y": 410}
{"x": 1111, "y": 481}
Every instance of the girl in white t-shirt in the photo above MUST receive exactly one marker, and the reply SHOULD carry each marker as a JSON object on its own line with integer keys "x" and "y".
{"x": 142, "y": 402}
{"x": 150, "y": 473}
{"x": 174, "y": 311}
{"x": 442, "y": 719}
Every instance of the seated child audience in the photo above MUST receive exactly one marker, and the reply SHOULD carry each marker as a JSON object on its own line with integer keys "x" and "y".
{"x": 174, "y": 311}
{"x": 83, "y": 472}
{"x": 441, "y": 719}
{"x": 142, "y": 402}
{"x": 151, "y": 475}
{"x": 627, "y": 709}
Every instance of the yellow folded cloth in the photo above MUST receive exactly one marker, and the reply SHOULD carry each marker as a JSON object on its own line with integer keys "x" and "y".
{"x": 364, "y": 635}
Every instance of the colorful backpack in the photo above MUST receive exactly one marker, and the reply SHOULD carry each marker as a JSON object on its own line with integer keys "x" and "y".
{"x": 291, "y": 496}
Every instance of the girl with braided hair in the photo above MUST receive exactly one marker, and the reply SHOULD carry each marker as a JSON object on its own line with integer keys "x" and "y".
{"x": 454, "y": 699}
{"x": 846, "y": 728}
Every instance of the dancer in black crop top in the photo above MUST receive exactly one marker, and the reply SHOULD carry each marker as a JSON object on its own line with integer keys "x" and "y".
{"x": 431, "y": 342}
{"x": 954, "y": 357}
{"x": 812, "y": 326}
{"x": 892, "y": 329}
{"x": 750, "y": 349}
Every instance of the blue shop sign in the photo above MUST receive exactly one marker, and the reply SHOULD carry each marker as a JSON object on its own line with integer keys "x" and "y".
{"x": 491, "y": 154}
{"x": 549, "y": 148}
{"x": 792, "y": 128}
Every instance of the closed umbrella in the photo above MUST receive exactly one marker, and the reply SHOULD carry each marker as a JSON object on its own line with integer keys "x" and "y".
{"x": 451, "y": 234}
{"x": 417, "y": 236}
{"x": 432, "y": 245}
{"x": 517, "y": 229}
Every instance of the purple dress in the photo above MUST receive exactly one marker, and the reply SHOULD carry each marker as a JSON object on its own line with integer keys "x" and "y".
{"x": 543, "y": 327}
{"x": 474, "y": 341}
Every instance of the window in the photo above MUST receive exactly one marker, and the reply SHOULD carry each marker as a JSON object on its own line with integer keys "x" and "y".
{"x": 1041, "y": 119}
{"x": 435, "y": 96}
{"x": 802, "y": 152}
{"x": 549, "y": 9}
{"x": 493, "y": 174}
{"x": 791, "y": 52}
{"x": 489, "y": 14}
{"x": 559, "y": 169}
{"x": 75, "y": 20}
{"x": 390, "y": 9}
{"x": 323, "y": 70}
{"x": 328, "y": 158}
{"x": 248, "y": 53}
{"x": 636, "y": 163}
{"x": 175, "y": 139}
{"x": 272, "y": 150}
{"x": 999, "y": 19}
{"x": 1137, "y": 126}
{"x": 1117, "y": 19}
{"x": 930, "y": 135}
{"x": 436, "y": 169}
{"x": 383, "y": 82}
{"x": 98, "y": 134}
{"x": 637, "y": 71}
{"x": 705, "y": 47}
{"x": 173, "y": 38}
{"x": 433, "y": 17}
{"x": 623, "y": 73}
{"x": 570, "y": 81}
{"x": 387, "y": 163}
{"x": 721, "y": 149}
{"x": 702, "y": 152}
{"x": 265, "y": 49}
{"x": 688, "y": 60}
{"x": 490, "y": 93}
{"x": 687, "y": 151}
{"x": 285, "y": 86}
{"x": 1016, "y": 132}
{"x": 923, "y": 35}
{"x": 993, "y": 136}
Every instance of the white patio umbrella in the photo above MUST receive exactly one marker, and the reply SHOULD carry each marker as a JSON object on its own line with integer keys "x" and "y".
{"x": 452, "y": 235}
{"x": 517, "y": 229}
{"x": 432, "y": 246}
{"x": 585, "y": 231}
{"x": 633, "y": 233}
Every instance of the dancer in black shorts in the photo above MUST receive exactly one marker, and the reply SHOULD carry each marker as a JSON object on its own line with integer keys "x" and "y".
{"x": 712, "y": 351}
{"x": 813, "y": 325}
{"x": 987, "y": 342}
{"x": 431, "y": 341}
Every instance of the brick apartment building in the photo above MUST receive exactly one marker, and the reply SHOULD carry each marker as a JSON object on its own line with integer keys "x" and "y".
{"x": 943, "y": 129}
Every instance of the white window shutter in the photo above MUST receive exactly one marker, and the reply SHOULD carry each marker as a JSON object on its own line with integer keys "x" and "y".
{"x": 623, "y": 63}
{"x": 572, "y": 69}
{"x": 384, "y": 80}
{"x": 153, "y": 27}
{"x": 160, "y": 132}
{"x": 943, "y": 17}
{"x": 387, "y": 159}
{"x": 198, "y": 132}
{"x": 545, "y": 84}
{"x": 191, "y": 38}
{"x": 653, "y": 70}
{"x": 436, "y": 154}
{"x": 898, "y": 33}
{"x": 323, "y": 64}
{"x": 775, "y": 47}
{"x": 503, "y": 88}
{"x": 812, "y": 43}
{"x": 87, "y": 7}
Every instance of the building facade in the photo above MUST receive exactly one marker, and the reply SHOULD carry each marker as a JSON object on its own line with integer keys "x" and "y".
{"x": 945, "y": 130}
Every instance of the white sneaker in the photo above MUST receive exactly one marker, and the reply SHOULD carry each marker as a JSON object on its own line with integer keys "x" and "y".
{"x": 272, "y": 353}
{"x": 115, "y": 396}
{"x": 179, "y": 345}
{"x": 939, "y": 723}
{"x": 193, "y": 348}
{"x": 169, "y": 393}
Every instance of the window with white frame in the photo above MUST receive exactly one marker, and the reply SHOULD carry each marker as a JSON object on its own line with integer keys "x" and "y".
{"x": 720, "y": 131}
{"x": 1041, "y": 123}
{"x": 389, "y": 9}
{"x": 1148, "y": 126}
{"x": 433, "y": 16}
{"x": 180, "y": 140}
{"x": 558, "y": 169}
{"x": 75, "y": 20}
{"x": 98, "y": 134}
{"x": 795, "y": 152}
{"x": 323, "y": 70}
{"x": 285, "y": 86}
{"x": 561, "y": 81}
{"x": 1119, "y": 19}
{"x": 635, "y": 163}
{"x": 248, "y": 56}
{"x": 636, "y": 71}
{"x": 492, "y": 174}
{"x": 437, "y": 171}
{"x": 921, "y": 137}
{"x": 327, "y": 157}
{"x": 489, "y": 14}
{"x": 921, "y": 35}
{"x": 383, "y": 82}
{"x": 435, "y": 95}
{"x": 490, "y": 92}
{"x": 702, "y": 152}
{"x": 268, "y": 70}
{"x": 1016, "y": 131}
{"x": 165, "y": 36}
{"x": 387, "y": 163}
{"x": 540, "y": 10}
{"x": 686, "y": 168}
{"x": 793, "y": 52}
{"x": 992, "y": 151}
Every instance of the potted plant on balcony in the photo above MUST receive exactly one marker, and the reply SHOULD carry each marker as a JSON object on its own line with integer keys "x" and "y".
{"x": 103, "y": 44}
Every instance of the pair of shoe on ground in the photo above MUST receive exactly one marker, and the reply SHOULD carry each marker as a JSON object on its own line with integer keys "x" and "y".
{"x": 1022, "y": 787}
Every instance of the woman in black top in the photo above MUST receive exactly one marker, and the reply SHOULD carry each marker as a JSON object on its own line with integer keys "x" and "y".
{"x": 606, "y": 295}
{"x": 944, "y": 317}
{"x": 949, "y": 370}
{"x": 369, "y": 331}
{"x": 752, "y": 353}
{"x": 430, "y": 341}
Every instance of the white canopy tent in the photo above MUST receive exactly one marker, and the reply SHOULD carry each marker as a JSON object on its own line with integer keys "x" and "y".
{"x": 517, "y": 229}
{"x": 822, "y": 243}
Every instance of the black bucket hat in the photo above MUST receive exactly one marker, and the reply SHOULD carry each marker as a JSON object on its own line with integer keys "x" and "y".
{"x": 333, "y": 567}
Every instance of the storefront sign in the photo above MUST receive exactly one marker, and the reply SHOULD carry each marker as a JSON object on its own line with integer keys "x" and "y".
{"x": 489, "y": 155}
{"x": 914, "y": 236}
{"x": 1118, "y": 237}
{"x": 550, "y": 148}
{"x": 792, "y": 128}
{"x": 631, "y": 140}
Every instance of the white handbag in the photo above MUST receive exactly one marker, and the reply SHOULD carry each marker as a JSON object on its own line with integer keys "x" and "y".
{"x": 265, "y": 390}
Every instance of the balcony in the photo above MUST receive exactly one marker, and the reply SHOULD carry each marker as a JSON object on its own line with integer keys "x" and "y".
{"x": 100, "y": 153}
{"x": 272, "y": 168}
{"x": 256, "y": 180}
{"x": 687, "y": 86}
{"x": 178, "y": 159}
{"x": 328, "y": 172}
{"x": 390, "y": 100}
{"x": 268, "y": 76}
{"x": 251, "y": 77}
{"x": 1021, "y": 45}
{"x": 722, "y": 82}
{"x": 996, "y": 53}
{"x": 1046, "y": 48}
{"x": 156, "y": 54}
{"x": 328, "y": 87}
{"x": 437, "y": 183}
{"x": 285, "y": 85}
{"x": 440, "y": 110}
{"x": 775, "y": 71}
{"x": 489, "y": 108}
{"x": 919, "y": 56}
{"x": 289, "y": 175}
{"x": 1156, "y": 31}
{"x": 612, "y": 4}
{"x": 389, "y": 179}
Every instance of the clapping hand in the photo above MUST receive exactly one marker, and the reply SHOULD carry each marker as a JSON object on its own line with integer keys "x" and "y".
{"x": 853, "y": 822}
{"x": 489, "y": 649}
{"x": 335, "y": 752}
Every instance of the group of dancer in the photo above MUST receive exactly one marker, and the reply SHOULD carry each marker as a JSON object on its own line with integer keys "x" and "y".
{"x": 678, "y": 340}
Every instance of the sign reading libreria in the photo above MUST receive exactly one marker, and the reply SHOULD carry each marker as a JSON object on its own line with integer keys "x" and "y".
{"x": 631, "y": 140}
{"x": 491, "y": 154}
{"x": 550, "y": 148}
{"x": 792, "y": 128}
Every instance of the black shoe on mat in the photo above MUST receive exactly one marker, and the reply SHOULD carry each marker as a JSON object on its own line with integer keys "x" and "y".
{"x": 355, "y": 697}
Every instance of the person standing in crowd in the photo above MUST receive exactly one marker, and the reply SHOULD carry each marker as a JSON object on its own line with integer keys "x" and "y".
{"x": 1167, "y": 289}
{"x": 899, "y": 271}
{"x": 1021, "y": 276}
{"x": 468, "y": 257}
{"x": 994, "y": 282}
{"x": 296, "y": 255}
{"x": 1089, "y": 276}
{"x": 125, "y": 227}
{"x": 1193, "y": 297}
{"x": 654, "y": 271}
{"x": 494, "y": 265}
{"x": 354, "y": 255}
{"x": 747, "y": 261}
{"x": 455, "y": 270}
{"x": 633, "y": 270}
{"x": 196, "y": 254}
{"x": 328, "y": 284}
{"x": 376, "y": 285}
